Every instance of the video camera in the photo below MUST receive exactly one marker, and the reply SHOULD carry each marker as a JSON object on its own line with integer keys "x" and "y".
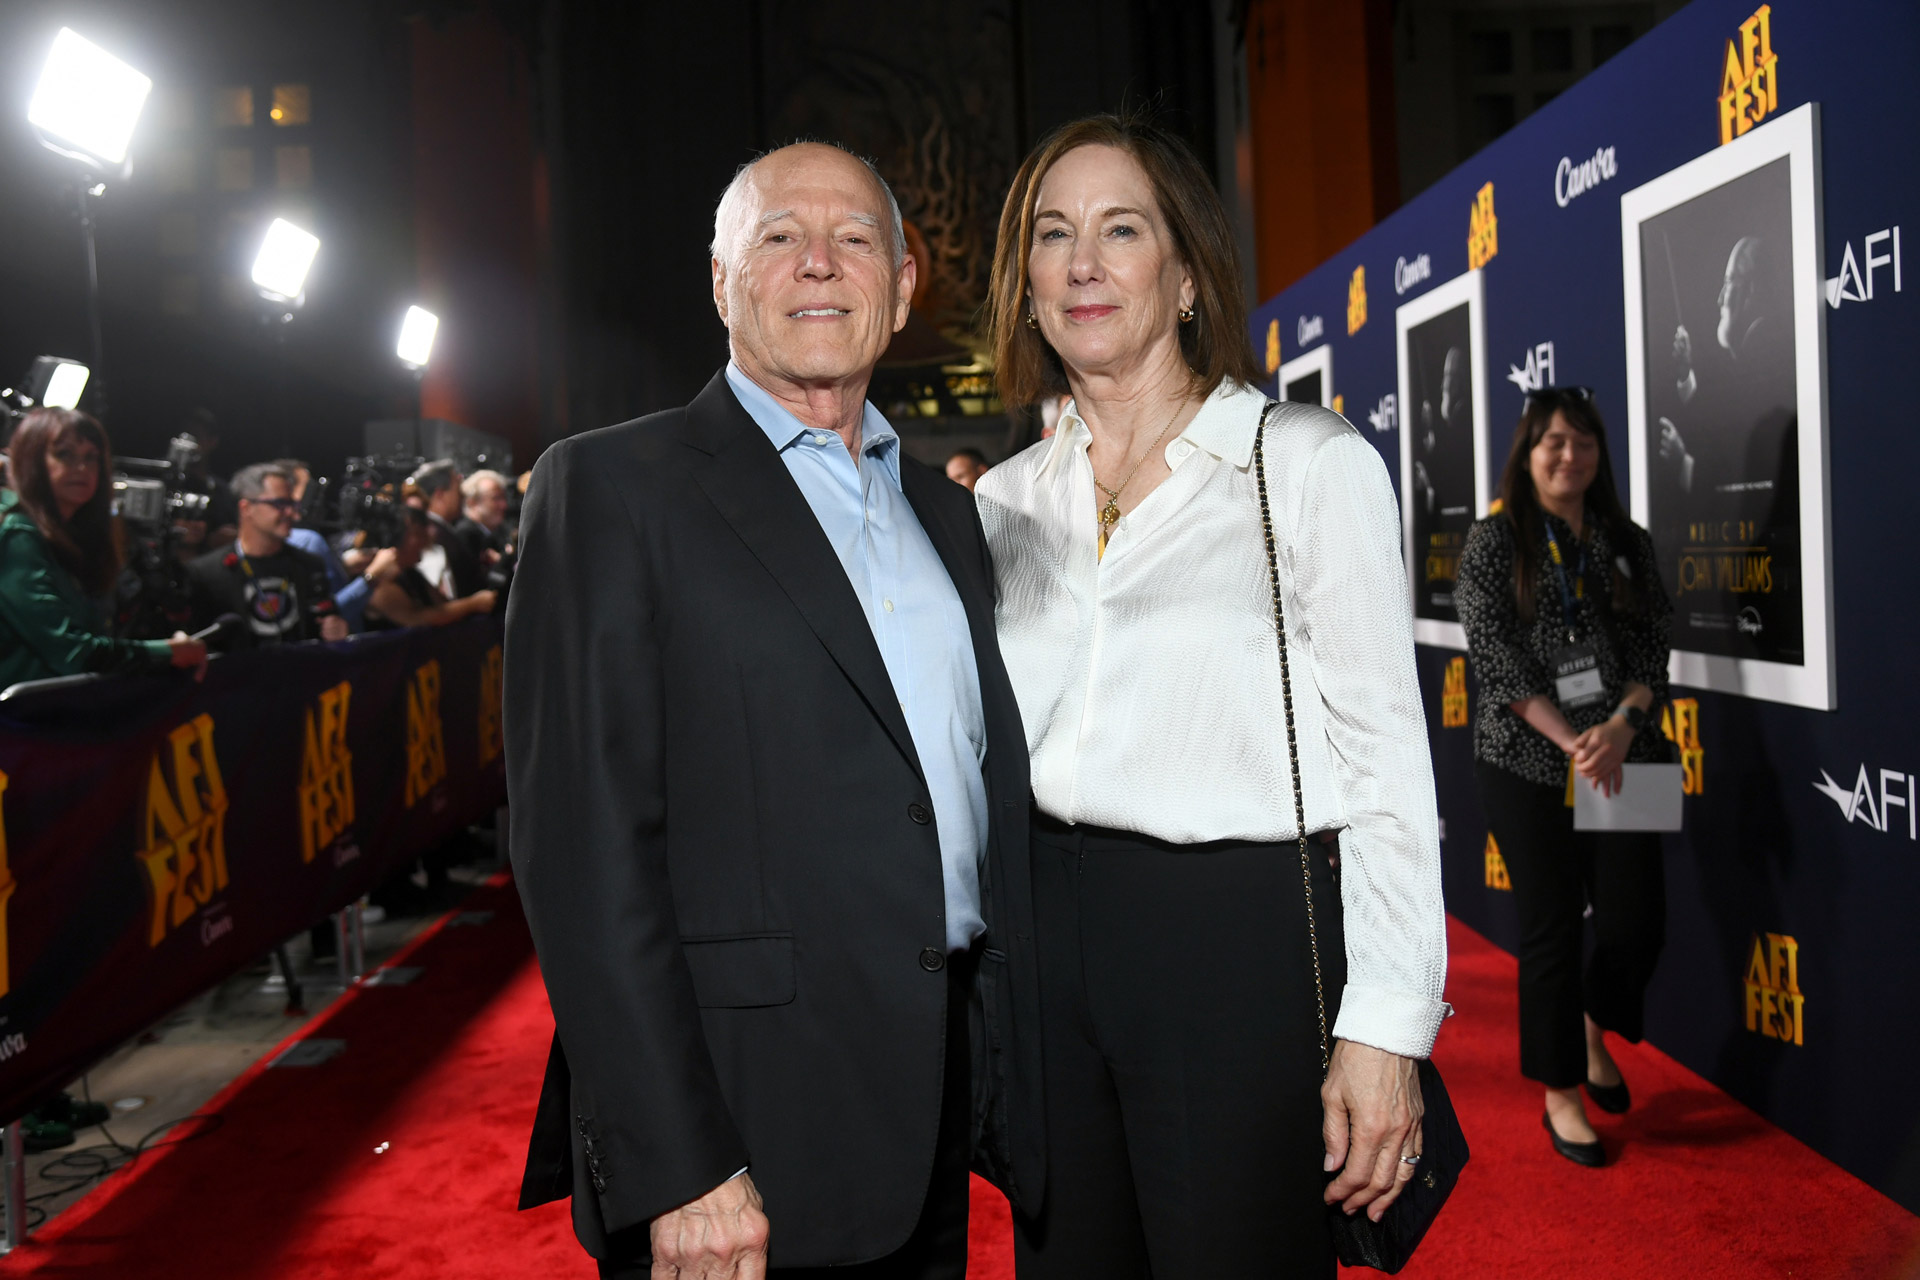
{"x": 366, "y": 499}
{"x": 151, "y": 496}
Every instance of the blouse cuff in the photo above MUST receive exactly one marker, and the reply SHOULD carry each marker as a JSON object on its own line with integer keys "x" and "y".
{"x": 158, "y": 652}
{"x": 1395, "y": 1021}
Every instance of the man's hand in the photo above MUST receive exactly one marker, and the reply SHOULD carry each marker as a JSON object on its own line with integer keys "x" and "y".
{"x": 385, "y": 565}
{"x": 334, "y": 627}
{"x": 720, "y": 1236}
{"x": 187, "y": 652}
{"x": 1373, "y": 1110}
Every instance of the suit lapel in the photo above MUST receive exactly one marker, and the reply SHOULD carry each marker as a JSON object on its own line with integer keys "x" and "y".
{"x": 744, "y": 478}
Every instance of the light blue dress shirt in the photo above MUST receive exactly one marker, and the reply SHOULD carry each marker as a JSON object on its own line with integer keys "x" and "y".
{"x": 916, "y": 617}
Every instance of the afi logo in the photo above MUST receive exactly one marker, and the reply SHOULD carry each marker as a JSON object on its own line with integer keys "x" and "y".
{"x": 1483, "y": 230}
{"x": 426, "y": 742}
{"x": 326, "y": 773}
{"x": 1749, "y": 77}
{"x": 1357, "y": 301}
{"x": 1385, "y": 416}
{"x": 490, "y": 744}
{"x": 1851, "y": 285}
{"x": 1536, "y": 373}
{"x": 1775, "y": 1007}
{"x": 1273, "y": 346}
{"x": 1453, "y": 696}
{"x": 1680, "y": 721}
{"x": 185, "y": 829}
{"x": 1858, "y": 805}
{"x": 1497, "y": 867}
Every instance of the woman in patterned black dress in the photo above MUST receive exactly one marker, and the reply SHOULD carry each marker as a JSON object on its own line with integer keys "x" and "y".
{"x": 1566, "y": 623}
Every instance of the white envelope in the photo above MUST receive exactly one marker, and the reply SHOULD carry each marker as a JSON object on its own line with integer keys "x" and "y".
{"x": 1648, "y": 800}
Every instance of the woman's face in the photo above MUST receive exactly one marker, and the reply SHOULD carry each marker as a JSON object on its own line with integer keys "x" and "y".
{"x": 73, "y": 473}
{"x": 1564, "y": 461}
{"x": 1105, "y": 283}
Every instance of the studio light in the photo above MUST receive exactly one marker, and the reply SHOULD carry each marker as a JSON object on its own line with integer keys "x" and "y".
{"x": 87, "y": 102}
{"x": 416, "y": 337}
{"x": 64, "y": 384}
{"x": 280, "y": 269}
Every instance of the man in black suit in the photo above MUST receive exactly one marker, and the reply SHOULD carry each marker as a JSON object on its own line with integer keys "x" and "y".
{"x": 439, "y": 483}
{"x": 769, "y": 793}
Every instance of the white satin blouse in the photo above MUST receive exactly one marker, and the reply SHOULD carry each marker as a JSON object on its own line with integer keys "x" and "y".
{"x": 1149, "y": 679}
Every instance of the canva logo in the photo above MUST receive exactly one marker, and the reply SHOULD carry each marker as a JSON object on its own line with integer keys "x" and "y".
{"x": 1310, "y": 329}
{"x": 1859, "y": 804}
{"x": 1571, "y": 181}
{"x": 1853, "y": 285}
{"x": 1408, "y": 274}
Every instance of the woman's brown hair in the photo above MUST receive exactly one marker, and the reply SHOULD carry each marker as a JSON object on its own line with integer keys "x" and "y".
{"x": 83, "y": 543}
{"x": 1215, "y": 343}
{"x": 1520, "y": 505}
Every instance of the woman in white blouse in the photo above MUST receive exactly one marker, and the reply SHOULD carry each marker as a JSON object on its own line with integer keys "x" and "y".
{"x": 1185, "y": 1104}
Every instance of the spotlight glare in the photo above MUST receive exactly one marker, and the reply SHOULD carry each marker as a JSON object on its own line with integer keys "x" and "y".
{"x": 280, "y": 270}
{"x": 87, "y": 99}
{"x": 65, "y": 385}
{"x": 416, "y": 337}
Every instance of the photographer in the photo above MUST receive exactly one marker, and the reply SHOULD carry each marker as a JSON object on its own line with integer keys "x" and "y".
{"x": 351, "y": 587}
{"x": 279, "y": 591}
{"x": 58, "y": 557}
{"x": 409, "y": 600}
{"x": 439, "y": 484}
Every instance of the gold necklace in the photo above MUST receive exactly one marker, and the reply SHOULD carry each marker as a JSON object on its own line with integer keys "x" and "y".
{"x": 1110, "y": 513}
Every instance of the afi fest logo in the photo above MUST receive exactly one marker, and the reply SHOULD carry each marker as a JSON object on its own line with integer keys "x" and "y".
{"x": 326, "y": 773}
{"x": 1749, "y": 77}
{"x": 1858, "y": 803}
{"x": 1385, "y": 416}
{"x": 1775, "y": 1007}
{"x": 185, "y": 829}
{"x": 1453, "y": 696}
{"x": 1853, "y": 286}
{"x": 1408, "y": 274}
{"x": 1571, "y": 181}
{"x": 1273, "y": 347}
{"x": 1680, "y": 721}
{"x": 1483, "y": 230}
{"x": 1537, "y": 371}
{"x": 6, "y": 890}
{"x": 489, "y": 729}
{"x": 1357, "y": 301}
{"x": 426, "y": 743}
{"x": 1497, "y": 867}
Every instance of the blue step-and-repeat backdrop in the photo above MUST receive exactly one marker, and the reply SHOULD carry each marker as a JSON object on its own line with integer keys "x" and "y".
{"x": 1708, "y": 232}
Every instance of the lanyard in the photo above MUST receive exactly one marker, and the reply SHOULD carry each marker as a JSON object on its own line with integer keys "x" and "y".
{"x": 1568, "y": 592}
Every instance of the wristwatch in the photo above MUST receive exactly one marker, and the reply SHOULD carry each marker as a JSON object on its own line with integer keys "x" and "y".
{"x": 1635, "y": 716}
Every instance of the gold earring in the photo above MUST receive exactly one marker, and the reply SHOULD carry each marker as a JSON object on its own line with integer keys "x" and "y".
{"x": 1031, "y": 322}
{"x": 1186, "y": 315}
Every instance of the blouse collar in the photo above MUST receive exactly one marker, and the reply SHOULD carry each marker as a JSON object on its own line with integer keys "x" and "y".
{"x": 1224, "y": 427}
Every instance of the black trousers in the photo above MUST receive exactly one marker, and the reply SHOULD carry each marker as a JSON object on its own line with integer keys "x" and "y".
{"x": 1182, "y": 1059}
{"x": 1556, "y": 872}
{"x": 937, "y": 1249}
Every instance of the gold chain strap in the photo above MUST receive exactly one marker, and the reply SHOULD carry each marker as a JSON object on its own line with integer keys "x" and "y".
{"x": 1293, "y": 745}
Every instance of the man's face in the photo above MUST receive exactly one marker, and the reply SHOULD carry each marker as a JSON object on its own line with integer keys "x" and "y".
{"x": 963, "y": 470}
{"x": 271, "y": 514}
{"x": 810, "y": 294}
{"x": 445, "y": 503}
{"x": 1737, "y": 295}
{"x": 489, "y": 506}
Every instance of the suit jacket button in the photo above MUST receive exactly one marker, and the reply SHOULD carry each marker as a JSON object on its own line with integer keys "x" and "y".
{"x": 918, "y": 812}
{"x": 933, "y": 960}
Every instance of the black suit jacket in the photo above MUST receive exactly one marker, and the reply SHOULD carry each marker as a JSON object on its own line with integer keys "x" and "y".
{"x": 714, "y": 798}
{"x": 463, "y": 562}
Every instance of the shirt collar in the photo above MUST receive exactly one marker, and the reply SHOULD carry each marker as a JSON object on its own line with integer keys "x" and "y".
{"x": 878, "y": 439}
{"x": 1224, "y": 427}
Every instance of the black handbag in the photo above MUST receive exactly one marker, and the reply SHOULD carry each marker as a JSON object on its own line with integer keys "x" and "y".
{"x": 1359, "y": 1241}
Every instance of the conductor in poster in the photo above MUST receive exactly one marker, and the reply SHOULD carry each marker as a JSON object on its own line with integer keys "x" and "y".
{"x": 1723, "y": 498}
{"x": 1440, "y": 379}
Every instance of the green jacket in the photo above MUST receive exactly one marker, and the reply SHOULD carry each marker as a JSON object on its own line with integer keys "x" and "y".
{"x": 48, "y": 627}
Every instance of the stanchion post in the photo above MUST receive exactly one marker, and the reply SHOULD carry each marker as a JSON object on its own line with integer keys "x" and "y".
{"x": 16, "y": 1191}
{"x": 359, "y": 938}
{"x": 342, "y": 940}
{"x": 500, "y": 839}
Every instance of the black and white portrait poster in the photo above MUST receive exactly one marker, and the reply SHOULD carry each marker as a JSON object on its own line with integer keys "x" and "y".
{"x": 1443, "y": 432}
{"x": 1308, "y": 378}
{"x": 1726, "y": 404}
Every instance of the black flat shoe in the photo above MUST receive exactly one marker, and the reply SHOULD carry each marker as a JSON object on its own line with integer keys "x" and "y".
{"x": 1610, "y": 1098}
{"x": 1590, "y": 1154}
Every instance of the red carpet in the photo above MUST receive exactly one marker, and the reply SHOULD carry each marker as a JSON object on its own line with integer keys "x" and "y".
{"x": 400, "y": 1158}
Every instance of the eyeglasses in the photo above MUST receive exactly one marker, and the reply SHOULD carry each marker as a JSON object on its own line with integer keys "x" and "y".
{"x": 278, "y": 504}
{"x": 1556, "y": 393}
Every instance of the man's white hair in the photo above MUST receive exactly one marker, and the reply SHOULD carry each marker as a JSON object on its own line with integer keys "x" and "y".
{"x": 729, "y": 216}
{"x": 470, "y": 487}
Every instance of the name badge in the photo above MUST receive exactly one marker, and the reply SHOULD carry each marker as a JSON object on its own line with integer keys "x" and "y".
{"x": 1576, "y": 677}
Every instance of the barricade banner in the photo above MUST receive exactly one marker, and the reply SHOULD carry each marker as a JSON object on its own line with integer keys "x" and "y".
{"x": 156, "y": 834}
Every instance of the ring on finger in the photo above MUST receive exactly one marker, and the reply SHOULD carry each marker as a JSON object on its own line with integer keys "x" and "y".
{"x": 1410, "y": 1159}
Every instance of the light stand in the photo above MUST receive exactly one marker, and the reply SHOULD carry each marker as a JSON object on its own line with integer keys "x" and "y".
{"x": 85, "y": 107}
{"x": 280, "y": 278}
{"x": 415, "y": 349}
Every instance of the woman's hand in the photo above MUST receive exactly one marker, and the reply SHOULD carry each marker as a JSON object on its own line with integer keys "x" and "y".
{"x": 1373, "y": 1110}
{"x": 188, "y": 652}
{"x": 1598, "y": 753}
